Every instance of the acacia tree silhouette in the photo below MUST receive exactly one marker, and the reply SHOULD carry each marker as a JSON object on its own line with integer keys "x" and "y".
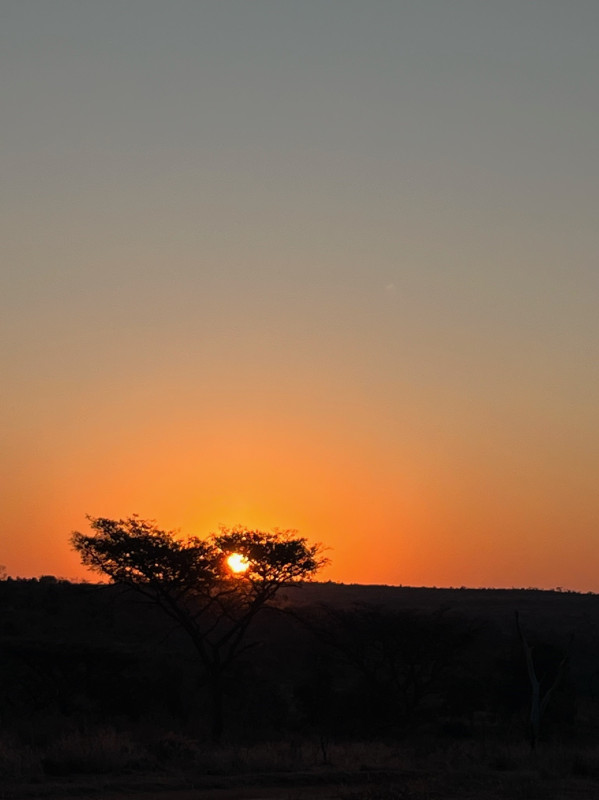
{"x": 192, "y": 583}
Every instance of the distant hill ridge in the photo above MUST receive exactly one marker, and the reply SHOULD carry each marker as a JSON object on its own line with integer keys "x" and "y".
{"x": 541, "y": 608}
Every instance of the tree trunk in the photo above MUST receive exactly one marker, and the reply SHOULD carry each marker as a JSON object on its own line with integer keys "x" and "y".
{"x": 217, "y": 722}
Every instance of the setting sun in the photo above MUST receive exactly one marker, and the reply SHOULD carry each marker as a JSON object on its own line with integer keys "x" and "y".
{"x": 237, "y": 562}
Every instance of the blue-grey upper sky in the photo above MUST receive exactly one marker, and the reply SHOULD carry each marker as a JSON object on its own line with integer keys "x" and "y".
{"x": 371, "y": 223}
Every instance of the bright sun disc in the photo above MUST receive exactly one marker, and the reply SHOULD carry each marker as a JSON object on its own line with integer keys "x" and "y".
{"x": 237, "y": 562}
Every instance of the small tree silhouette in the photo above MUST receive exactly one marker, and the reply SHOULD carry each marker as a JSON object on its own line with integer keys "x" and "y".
{"x": 193, "y": 584}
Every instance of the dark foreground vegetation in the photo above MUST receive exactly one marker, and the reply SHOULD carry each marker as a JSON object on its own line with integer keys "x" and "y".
{"x": 378, "y": 692}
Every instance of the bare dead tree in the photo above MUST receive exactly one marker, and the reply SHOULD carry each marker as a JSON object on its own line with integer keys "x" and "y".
{"x": 538, "y": 700}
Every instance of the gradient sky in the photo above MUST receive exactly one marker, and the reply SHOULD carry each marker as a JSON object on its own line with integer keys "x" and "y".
{"x": 325, "y": 265}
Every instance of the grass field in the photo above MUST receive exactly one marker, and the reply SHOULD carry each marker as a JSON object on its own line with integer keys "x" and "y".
{"x": 104, "y": 764}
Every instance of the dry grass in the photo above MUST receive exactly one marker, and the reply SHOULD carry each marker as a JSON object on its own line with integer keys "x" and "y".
{"x": 18, "y": 762}
{"x": 296, "y": 755}
{"x": 101, "y": 751}
{"x": 413, "y": 770}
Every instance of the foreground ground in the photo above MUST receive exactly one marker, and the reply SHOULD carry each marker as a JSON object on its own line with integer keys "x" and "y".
{"x": 534, "y": 781}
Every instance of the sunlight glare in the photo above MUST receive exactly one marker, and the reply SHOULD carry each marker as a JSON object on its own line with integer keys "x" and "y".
{"x": 237, "y": 562}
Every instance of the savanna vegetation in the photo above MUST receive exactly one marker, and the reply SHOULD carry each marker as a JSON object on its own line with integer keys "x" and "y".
{"x": 418, "y": 692}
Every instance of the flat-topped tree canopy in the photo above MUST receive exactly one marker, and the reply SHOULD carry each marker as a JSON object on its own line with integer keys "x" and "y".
{"x": 136, "y": 552}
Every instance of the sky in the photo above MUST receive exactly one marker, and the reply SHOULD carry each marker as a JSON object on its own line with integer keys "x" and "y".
{"x": 328, "y": 266}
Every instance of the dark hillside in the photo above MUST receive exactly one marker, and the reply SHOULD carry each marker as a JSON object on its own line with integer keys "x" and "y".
{"x": 550, "y": 610}
{"x": 333, "y": 661}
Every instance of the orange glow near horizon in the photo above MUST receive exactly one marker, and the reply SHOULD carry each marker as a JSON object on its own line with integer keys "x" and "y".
{"x": 418, "y": 521}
